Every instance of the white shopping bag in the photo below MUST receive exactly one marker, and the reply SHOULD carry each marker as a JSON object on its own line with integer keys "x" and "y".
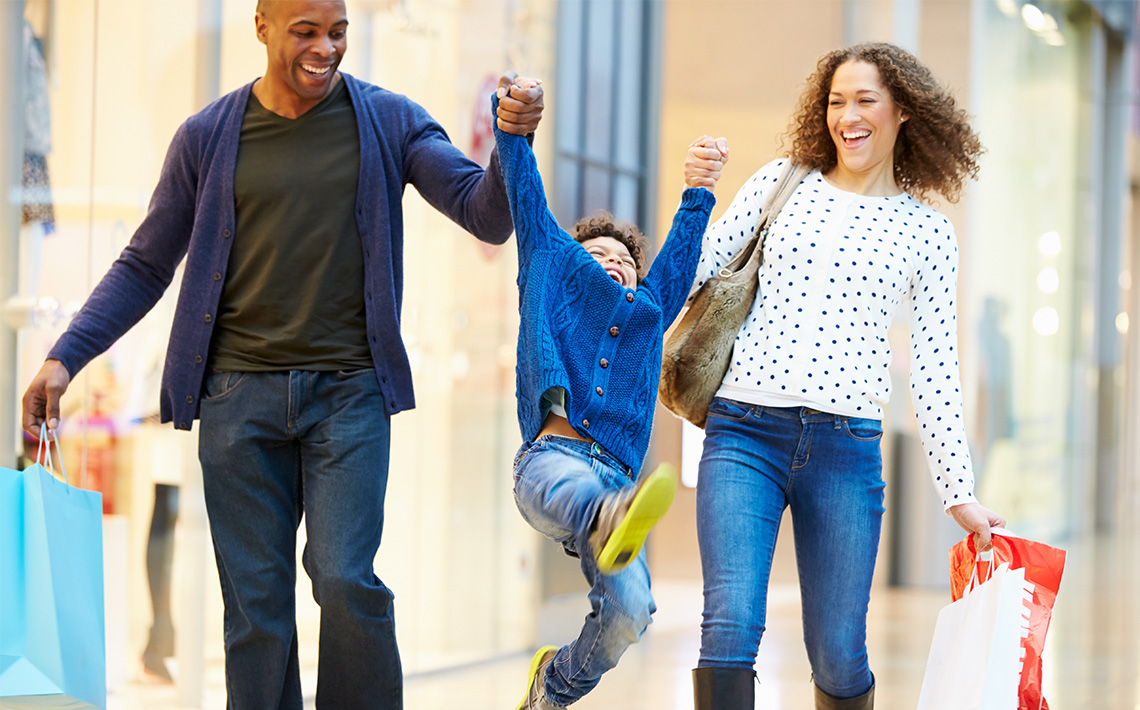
{"x": 976, "y": 656}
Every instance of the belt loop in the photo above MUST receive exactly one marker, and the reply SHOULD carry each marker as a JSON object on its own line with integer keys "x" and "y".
{"x": 838, "y": 421}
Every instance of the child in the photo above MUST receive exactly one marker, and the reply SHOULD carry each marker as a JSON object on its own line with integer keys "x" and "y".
{"x": 589, "y": 359}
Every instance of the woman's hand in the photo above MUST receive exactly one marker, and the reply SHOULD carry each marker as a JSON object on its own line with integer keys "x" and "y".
{"x": 704, "y": 162}
{"x": 974, "y": 518}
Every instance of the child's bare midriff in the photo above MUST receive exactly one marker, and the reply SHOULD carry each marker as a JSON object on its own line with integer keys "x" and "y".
{"x": 555, "y": 425}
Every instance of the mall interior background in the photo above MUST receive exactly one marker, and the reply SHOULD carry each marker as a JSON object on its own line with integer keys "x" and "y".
{"x": 1049, "y": 319}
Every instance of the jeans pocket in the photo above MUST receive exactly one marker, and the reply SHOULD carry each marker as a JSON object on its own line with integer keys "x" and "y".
{"x": 355, "y": 372}
{"x": 220, "y": 383}
{"x": 863, "y": 429}
{"x": 729, "y": 409}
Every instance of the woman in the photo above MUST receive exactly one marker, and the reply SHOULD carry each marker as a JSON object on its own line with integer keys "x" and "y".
{"x": 797, "y": 419}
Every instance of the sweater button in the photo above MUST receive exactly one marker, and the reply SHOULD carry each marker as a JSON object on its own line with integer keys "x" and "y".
{"x": 208, "y": 318}
{"x": 614, "y": 330}
{"x": 599, "y": 390}
{"x": 198, "y": 359}
{"x": 225, "y": 233}
{"x": 189, "y": 399}
{"x": 585, "y": 423}
{"x": 217, "y": 276}
{"x": 629, "y": 296}
{"x": 604, "y": 363}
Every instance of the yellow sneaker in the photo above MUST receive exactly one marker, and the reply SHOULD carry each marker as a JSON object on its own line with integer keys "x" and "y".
{"x": 624, "y": 521}
{"x": 535, "y": 699}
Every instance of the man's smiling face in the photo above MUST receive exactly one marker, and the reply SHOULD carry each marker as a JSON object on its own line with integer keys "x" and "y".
{"x": 305, "y": 41}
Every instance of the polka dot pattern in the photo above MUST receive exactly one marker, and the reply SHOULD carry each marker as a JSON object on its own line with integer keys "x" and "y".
{"x": 837, "y": 267}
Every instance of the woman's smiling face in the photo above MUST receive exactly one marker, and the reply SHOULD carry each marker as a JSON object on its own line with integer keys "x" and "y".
{"x": 862, "y": 118}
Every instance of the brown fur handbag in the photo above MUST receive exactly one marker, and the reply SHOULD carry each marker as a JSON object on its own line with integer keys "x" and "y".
{"x": 698, "y": 350}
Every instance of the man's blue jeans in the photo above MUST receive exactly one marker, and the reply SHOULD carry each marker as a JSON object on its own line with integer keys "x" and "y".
{"x": 828, "y": 469}
{"x": 559, "y": 484}
{"x": 274, "y": 445}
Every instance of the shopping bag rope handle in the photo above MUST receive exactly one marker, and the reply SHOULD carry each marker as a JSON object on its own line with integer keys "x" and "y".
{"x": 43, "y": 453}
{"x": 982, "y": 556}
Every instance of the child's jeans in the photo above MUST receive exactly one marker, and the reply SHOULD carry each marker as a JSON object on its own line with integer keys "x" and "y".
{"x": 559, "y": 484}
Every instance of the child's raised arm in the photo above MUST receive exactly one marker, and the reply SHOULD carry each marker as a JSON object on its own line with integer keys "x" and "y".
{"x": 534, "y": 224}
{"x": 673, "y": 270}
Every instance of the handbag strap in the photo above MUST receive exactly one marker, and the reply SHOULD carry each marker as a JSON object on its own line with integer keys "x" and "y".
{"x": 790, "y": 178}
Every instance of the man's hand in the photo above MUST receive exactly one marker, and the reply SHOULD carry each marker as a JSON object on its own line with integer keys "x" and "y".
{"x": 704, "y": 162}
{"x": 520, "y": 104}
{"x": 41, "y": 401}
{"x": 978, "y": 520}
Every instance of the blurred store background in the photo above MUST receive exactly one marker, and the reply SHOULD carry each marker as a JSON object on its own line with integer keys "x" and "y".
{"x": 1049, "y": 318}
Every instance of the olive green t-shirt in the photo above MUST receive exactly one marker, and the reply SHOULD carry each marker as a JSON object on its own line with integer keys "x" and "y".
{"x": 293, "y": 297}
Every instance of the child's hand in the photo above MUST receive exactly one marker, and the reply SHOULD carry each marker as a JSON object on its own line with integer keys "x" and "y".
{"x": 520, "y": 104}
{"x": 704, "y": 162}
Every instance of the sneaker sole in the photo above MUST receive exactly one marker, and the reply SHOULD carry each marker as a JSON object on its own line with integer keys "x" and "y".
{"x": 648, "y": 506}
{"x": 535, "y": 664}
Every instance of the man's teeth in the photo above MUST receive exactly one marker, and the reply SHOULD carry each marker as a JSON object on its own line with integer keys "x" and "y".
{"x": 315, "y": 70}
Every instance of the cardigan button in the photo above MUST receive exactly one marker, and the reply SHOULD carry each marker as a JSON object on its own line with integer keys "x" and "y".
{"x": 198, "y": 359}
{"x": 614, "y": 330}
{"x": 629, "y": 296}
{"x": 208, "y": 318}
{"x": 604, "y": 363}
{"x": 225, "y": 233}
{"x": 189, "y": 399}
{"x": 217, "y": 276}
{"x": 599, "y": 390}
{"x": 585, "y": 423}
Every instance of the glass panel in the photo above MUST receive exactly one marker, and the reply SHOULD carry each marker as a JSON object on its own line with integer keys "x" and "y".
{"x": 626, "y": 192}
{"x": 600, "y": 71}
{"x": 596, "y": 190}
{"x": 630, "y": 77}
{"x": 567, "y": 202}
{"x": 1025, "y": 275}
{"x": 571, "y": 76}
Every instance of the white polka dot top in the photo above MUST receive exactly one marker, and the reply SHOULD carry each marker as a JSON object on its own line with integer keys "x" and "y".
{"x": 837, "y": 265}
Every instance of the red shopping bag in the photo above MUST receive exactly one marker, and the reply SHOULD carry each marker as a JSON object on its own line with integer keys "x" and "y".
{"x": 1043, "y": 567}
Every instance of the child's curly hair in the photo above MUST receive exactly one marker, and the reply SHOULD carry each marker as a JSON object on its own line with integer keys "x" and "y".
{"x": 936, "y": 150}
{"x": 603, "y": 224}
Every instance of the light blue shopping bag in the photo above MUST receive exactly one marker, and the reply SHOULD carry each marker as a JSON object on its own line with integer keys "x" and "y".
{"x": 52, "y": 647}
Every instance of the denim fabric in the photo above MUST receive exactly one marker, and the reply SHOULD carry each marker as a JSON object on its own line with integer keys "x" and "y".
{"x": 559, "y": 484}
{"x": 274, "y": 445}
{"x": 828, "y": 469}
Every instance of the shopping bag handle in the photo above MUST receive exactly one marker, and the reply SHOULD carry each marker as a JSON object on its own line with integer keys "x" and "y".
{"x": 43, "y": 453}
{"x": 982, "y": 556}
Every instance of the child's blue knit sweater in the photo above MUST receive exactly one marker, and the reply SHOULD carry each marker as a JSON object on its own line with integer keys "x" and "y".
{"x": 580, "y": 330}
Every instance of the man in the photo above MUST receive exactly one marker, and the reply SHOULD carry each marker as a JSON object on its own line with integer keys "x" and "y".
{"x": 284, "y": 197}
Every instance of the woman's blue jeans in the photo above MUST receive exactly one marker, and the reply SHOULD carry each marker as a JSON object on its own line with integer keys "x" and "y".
{"x": 559, "y": 484}
{"x": 828, "y": 469}
{"x": 274, "y": 445}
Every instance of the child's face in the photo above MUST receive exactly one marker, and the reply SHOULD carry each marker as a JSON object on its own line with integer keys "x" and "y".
{"x": 614, "y": 258}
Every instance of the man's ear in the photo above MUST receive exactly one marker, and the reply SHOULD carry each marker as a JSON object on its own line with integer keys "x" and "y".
{"x": 261, "y": 27}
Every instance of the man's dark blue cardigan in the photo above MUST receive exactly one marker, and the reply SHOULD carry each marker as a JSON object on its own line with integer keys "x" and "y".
{"x": 580, "y": 330}
{"x": 191, "y": 214}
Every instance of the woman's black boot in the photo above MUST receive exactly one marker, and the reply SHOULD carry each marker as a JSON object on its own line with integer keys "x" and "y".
{"x": 724, "y": 688}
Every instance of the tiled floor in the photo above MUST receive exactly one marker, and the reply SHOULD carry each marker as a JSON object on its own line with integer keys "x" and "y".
{"x": 1092, "y": 660}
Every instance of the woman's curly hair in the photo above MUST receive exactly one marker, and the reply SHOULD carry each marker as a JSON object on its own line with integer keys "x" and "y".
{"x": 936, "y": 150}
{"x": 603, "y": 224}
